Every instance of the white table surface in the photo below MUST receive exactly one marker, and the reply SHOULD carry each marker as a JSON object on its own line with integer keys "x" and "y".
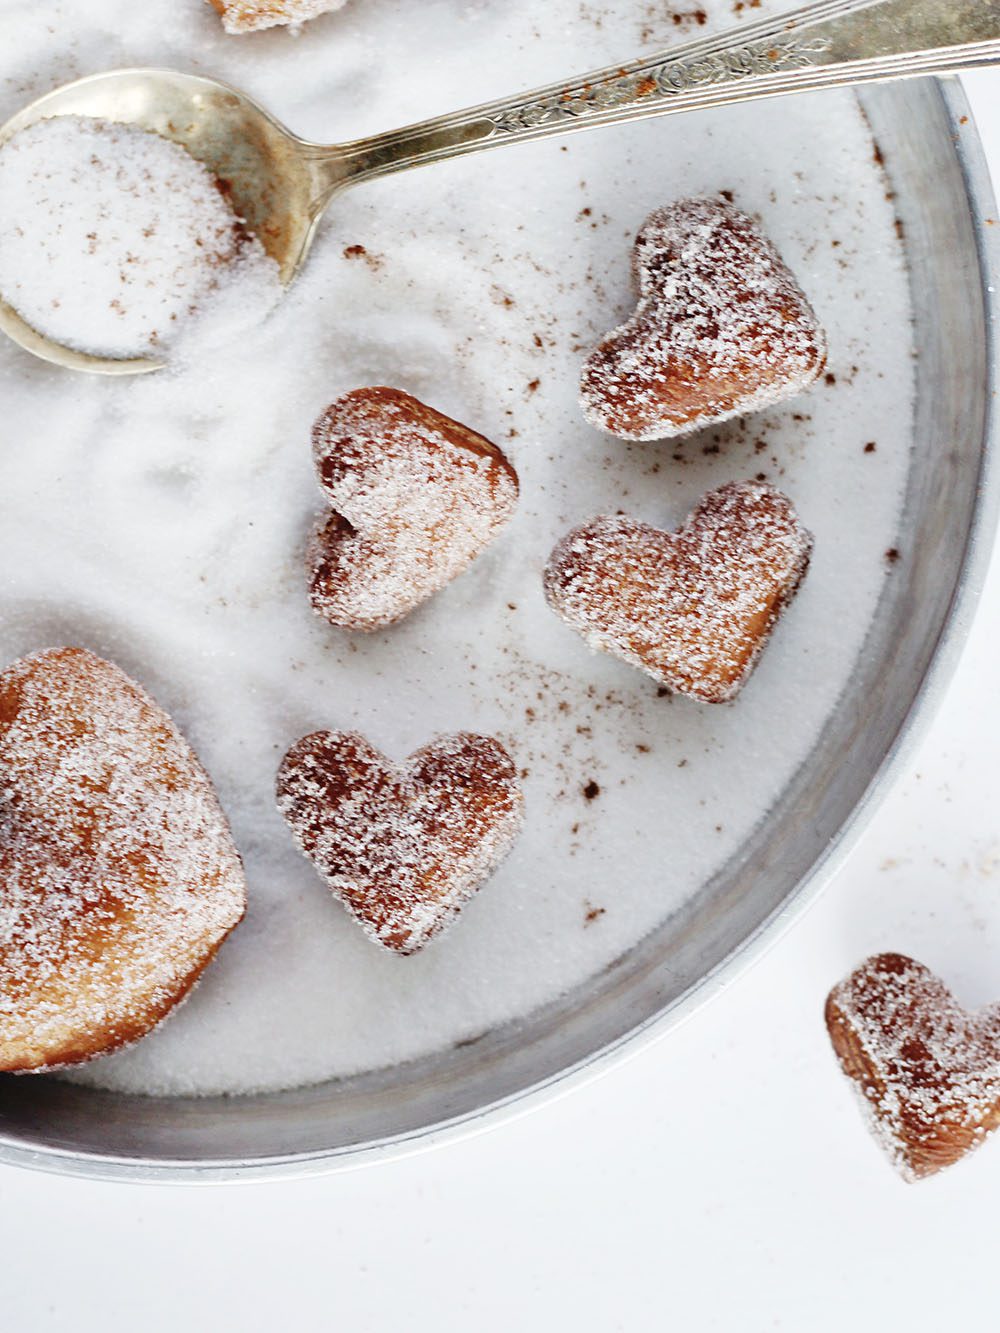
{"x": 720, "y": 1180}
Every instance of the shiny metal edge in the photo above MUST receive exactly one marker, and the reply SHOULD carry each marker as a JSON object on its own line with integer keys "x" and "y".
{"x": 980, "y": 200}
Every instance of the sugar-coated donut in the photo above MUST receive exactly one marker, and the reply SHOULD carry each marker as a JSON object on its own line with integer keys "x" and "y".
{"x": 416, "y": 497}
{"x": 404, "y": 846}
{"x": 927, "y": 1071}
{"x": 251, "y": 15}
{"x": 721, "y": 328}
{"x": 691, "y": 608}
{"x": 118, "y": 875}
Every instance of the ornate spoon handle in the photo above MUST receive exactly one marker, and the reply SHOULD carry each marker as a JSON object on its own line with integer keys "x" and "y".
{"x": 825, "y": 44}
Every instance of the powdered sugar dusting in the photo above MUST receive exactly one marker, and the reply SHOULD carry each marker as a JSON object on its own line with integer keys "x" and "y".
{"x": 722, "y": 328}
{"x": 416, "y": 497}
{"x": 927, "y": 1071}
{"x": 403, "y": 848}
{"x": 116, "y": 242}
{"x": 692, "y": 609}
{"x": 252, "y": 15}
{"x": 119, "y": 877}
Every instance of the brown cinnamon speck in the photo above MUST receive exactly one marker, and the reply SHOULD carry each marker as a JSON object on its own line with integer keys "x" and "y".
{"x": 373, "y": 261}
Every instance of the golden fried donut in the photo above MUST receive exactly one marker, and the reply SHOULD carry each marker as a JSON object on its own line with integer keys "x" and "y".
{"x": 927, "y": 1071}
{"x": 416, "y": 497}
{"x": 251, "y": 15}
{"x": 404, "y": 846}
{"x": 692, "y": 609}
{"x": 721, "y": 328}
{"x": 118, "y": 876}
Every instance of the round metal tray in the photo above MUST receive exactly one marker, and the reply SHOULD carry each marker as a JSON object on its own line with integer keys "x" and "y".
{"x": 943, "y": 197}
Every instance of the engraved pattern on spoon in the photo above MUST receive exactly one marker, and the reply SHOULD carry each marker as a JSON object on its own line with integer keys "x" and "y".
{"x": 663, "y": 80}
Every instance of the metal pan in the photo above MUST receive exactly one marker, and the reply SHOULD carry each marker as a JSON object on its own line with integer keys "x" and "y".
{"x": 943, "y": 198}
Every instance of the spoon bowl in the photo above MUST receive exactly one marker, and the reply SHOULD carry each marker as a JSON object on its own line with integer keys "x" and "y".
{"x": 268, "y": 174}
{"x": 280, "y": 184}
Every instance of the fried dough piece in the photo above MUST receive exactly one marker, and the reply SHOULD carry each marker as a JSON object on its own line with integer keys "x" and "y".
{"x": 403, "y": 846}
{"x": 416, "y": 497}
{"x": 926, "y": 1070}
{"x": 252, "y": 15}
{"x": 118, "y": 875}
{"x": 692, "y": 609}
{"x": 721, "y": 328}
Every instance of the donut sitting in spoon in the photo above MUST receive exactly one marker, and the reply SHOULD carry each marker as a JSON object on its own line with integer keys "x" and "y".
{"x": 416, "y": 497}
{"x": 721, "y": 328}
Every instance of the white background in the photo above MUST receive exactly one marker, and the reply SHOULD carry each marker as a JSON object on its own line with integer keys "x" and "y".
{"x": 721, "y": 1179}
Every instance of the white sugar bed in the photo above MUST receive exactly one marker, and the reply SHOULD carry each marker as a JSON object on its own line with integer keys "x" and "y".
{"x": 161, "y": 521}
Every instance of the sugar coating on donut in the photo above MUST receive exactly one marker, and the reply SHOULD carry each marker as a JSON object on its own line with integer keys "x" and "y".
{"x": 404, "y": 846}
{"x": 721, "y": 328}
{"x": 692, "y": 609}
{"x": 118, "y": 876}
{"x": 252, "y": 15}
{"x": 926, "y": 1070}
{"x": 416, "y": 497}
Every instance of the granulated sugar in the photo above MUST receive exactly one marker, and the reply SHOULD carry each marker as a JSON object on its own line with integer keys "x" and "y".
{"x": 115, "y": 241}
{"x": 162, "y": 521}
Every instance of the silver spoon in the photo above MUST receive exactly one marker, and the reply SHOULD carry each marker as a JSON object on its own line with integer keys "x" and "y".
{"x": 281, "y": 184}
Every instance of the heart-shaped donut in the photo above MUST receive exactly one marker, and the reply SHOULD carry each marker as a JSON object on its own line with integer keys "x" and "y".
{"x": 927, "y": 1070}
{"x": 721, "y": 328}
{"x": 404, "y": 846}
{"x": 694, "y": 608}
{"x": 416, "y": 497}
{"x": 118, "y": 876}
{"x": 252, "y": 15}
